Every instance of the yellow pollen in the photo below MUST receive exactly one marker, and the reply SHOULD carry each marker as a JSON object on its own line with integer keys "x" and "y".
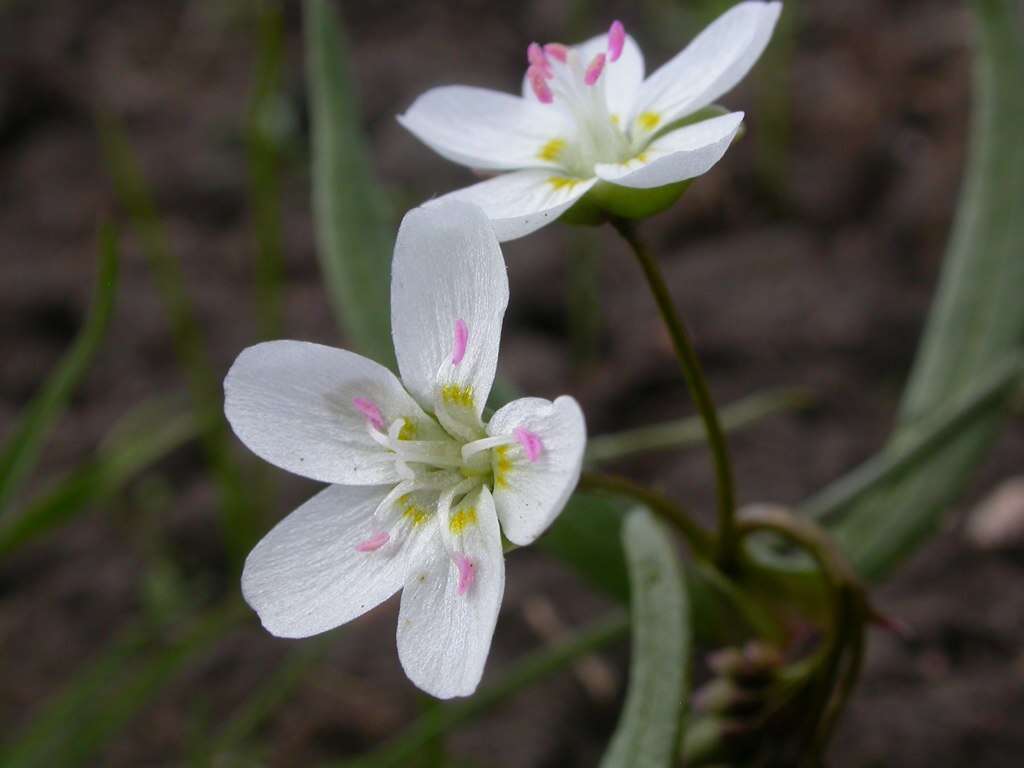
{"x": 562, "y": 182}
{"x": 502, "y": 467}
{"x": 408, "y": 430}
{"x": 615, "y": 120}
{"x": 462, "y": 520}
{"x": 551, "y": 150}
{"x": 642, "y": 157}
{"x": 648, "y": 120}
{"x": 456, "y": 395}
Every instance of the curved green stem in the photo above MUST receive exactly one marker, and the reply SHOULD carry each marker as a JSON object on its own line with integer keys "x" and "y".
{"x": 698, "y": 539}
{"x": 726, "y": 552}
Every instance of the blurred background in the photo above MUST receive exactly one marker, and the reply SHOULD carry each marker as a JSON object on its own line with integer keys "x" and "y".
{"x": 806, "y": 259}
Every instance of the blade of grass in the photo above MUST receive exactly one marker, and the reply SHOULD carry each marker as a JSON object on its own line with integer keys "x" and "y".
{"x": 690, "y": 432}
{"x": 96, "y": 706}
{"x": 239, "y": 508}
{"x": 264, "y": 158}
{"x": 144, "y": 436}
{"x": 647, "y": 735}
{"x": 23, "y": 447}
{"x": 354, "y": 223}
{"x": 527, "y": 671}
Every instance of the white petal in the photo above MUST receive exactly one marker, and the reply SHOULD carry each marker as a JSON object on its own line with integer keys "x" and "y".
{"x": 306, "y": 576}
{"x": 717, "y": 59}
{"x": 448, "y": 278}
{"x": 678, "y": 155}
{"x": 484, "y": 129}
{"x": 443, "y": 636}
{"x": 529, "y": 495}
{"x": 291, "y": 403}
{"x": 522, "y": 202}
{"x": 624, "y": 76}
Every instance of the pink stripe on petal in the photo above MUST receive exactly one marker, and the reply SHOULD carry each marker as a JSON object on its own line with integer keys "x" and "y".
{"x": 370, "y": 410}
{"x": 459, "y": 345}
{"x": 531, "y": 442}
{"x": 616, "y": 39}
{"x": 467, "y": 573}
{"x": 540, "y": 87}
{"x": 594, "y": 69}
{"x": 374, "y": 543}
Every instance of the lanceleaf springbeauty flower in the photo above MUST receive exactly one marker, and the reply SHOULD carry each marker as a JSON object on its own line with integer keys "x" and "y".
{"x": 588, "y": 121}
{"x": 420, "y": 482}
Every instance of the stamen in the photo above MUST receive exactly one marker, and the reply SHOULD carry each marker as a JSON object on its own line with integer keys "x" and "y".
{"x": 374, "y": 543}
{"x": 459, "y": 346}
{"x": 594, "y": 69}
{"x": 532, "y": 445}
{"x": 540, "y": 87}
{"x": 467, "y": 573}
{"x": 616, "y": 39}
{"x": 483, "y": 444}
{"x": 370, "y": 410}
{"x": 557, "y": 51}
{"x": 535, "y": 55}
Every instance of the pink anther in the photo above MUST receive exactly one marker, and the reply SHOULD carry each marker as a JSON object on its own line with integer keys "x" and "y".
{"x": 459, "y": 345}
{"x": 374, "y": 543}
{"x": 594, "y": 69}
{"x": 467, "y": 573}
{"x": 535, "y": 55}
{"x": 370, "y": 410}
{"x": 539, "y": 84}
{"x": 616, "y": 39}
{"x": 532, "y": 445}
{"x": 557, "y": 51}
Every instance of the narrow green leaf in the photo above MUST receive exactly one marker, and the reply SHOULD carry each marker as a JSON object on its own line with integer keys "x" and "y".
{"x": 240, "y": 507}
{"x": 647, "y": 735}
{"x": 977, "y": 321}
{"x": 690, "y": 431}
{"x": 263, "y": 137}
{"x": 529, "y": 670}
{"x": 22, "y": 449}
{"x": 144, "y": 436}
{"x": 108, "y": 694}
{"x": 354, "y": 223}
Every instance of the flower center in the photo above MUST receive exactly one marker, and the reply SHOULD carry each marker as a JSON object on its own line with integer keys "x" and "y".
{"x": 558, "y": 74}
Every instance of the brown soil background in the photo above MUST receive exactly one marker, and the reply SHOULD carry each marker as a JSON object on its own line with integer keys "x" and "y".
{"x": 822, "y": 283}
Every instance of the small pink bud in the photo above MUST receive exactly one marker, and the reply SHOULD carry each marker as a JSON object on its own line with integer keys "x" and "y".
{"x": 616, "y": 39}
{"x": 594, "y": 69}
{"x": 374, "y": 543}
{"x": 532, "y": 445}
{"x": 539, "y": 84}
{"x": 370, "y": 410}
{"x": 557, "y": 51}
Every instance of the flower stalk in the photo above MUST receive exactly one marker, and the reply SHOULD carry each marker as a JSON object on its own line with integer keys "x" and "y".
{"x": 726, "y": 545}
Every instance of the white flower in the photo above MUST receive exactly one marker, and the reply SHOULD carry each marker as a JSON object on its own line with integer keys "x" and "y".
{"x": 419, "y": 480}
{"x": 589, "y": 120}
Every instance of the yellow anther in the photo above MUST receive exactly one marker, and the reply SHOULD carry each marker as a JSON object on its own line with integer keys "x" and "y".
{"x": 551, "y": 150}
{"x": 453, "y": 394}
{"x": 408, "y": 430}
{"x": 648, "y": 120}
{"x": 462, "y": 519}
{"x": 563, "y": 182}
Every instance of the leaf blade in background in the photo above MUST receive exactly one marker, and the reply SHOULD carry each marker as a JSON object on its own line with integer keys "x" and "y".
{"x": 240, "y": 507}
{"x": 647, "y": 735}
{"x": 23, "y": 447}
{"x": 142, "y": 437}
{"x": 354, "y": 224}
{"x": 977, "y": 319}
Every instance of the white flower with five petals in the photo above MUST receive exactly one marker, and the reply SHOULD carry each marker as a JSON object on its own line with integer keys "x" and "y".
{"x": 420, "y": 482}
{"x": 588, "y": 121}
